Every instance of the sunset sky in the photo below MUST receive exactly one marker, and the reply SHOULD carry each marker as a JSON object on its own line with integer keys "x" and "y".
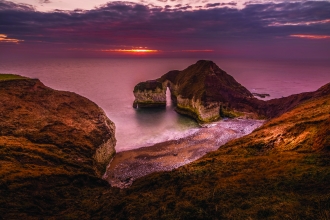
{"x": 166, "y": 28}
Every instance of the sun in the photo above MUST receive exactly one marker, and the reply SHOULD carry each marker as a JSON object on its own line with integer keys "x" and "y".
{"x": 133, "y": 51}
{"x": 142, "y": 51}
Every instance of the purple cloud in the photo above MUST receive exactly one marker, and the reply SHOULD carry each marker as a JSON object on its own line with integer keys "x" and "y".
{"x": 169, "y": 28}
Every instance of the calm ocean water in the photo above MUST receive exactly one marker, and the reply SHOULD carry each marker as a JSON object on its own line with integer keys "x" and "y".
{"x": 109, "y": 83}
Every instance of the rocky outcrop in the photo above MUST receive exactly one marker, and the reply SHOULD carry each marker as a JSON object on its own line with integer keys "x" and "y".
{"x": 71, "y": 122}
{"x": 207, "y": 93}
{"x": 52, "y": 144}
{"x": 149, "y": 94}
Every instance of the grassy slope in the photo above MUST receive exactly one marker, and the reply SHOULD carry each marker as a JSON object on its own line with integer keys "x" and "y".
{"x": 280, "y": 171}
{"x": 47, "y": 142}
{"x": 4, "y": 77}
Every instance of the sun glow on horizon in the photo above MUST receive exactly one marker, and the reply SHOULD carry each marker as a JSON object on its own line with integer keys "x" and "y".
{"x": 138, "y": 50}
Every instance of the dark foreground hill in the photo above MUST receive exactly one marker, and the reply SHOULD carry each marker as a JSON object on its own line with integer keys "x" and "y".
{"x": 279, "y": 171}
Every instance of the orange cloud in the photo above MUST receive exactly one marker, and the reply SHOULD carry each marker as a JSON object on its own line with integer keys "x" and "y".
{"x": 4, "y": 38}
{"x": 307, "y": 36}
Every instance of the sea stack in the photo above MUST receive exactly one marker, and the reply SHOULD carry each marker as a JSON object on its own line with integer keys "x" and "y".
{"x": 151, "y": 93}
{"x": 204, "y": 92}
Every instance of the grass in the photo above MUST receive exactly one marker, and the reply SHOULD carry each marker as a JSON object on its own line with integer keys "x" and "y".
{"x": 280, "y": 171}
{"x": 187, "y": 110}
{"x": 230, "y": 186}
{"x": 5, "y": 77}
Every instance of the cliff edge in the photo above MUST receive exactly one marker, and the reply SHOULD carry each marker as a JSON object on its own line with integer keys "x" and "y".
{"x": 51, "y": 142}
{"x": 279, "y": 171}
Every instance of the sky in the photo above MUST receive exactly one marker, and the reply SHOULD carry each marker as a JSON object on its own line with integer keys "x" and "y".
{"x": 276, "y": 29}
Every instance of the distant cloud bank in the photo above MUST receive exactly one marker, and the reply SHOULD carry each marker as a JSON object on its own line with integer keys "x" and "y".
{"x": 124, "y": 25}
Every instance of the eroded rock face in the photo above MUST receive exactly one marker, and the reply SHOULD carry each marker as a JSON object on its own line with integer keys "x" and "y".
{"x": 207, "y": 93}
{"x": 149, "y": 94}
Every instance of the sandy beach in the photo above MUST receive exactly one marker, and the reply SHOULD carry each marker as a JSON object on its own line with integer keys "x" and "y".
{"x": 130, "y": 165}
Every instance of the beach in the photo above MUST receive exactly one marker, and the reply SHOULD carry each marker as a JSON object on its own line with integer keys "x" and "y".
{"x": 129, "y": 165}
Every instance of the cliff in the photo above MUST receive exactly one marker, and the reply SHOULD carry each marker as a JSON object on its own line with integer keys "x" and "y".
{"x": 207, "y": 93}
{"x": 51, "y": 144}
{"x": 276, "y": 107}
{"x": 279, "y": 171}
{"x": 149, "y": 94}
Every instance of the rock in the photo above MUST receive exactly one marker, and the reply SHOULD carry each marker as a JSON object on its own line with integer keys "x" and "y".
{"x": 54, "y": 146}
{"x": 71, "y": 122}
{"x": 149, "y": 94}
{"x": 261, "y": 95}
{"x": 205, "y": 92}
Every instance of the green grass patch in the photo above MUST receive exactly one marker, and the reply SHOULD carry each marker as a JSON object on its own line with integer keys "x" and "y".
{"x": 5, "y": 77}
{"x": 226, "y": 113}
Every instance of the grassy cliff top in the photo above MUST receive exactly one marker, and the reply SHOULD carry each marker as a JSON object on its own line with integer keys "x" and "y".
{"x": 48, "y": 140}
{"x": 280, "y": 171}
{"x": 205, "y": 80}
{"x": 4, "y": 77}
{"x": 150, "y": 85}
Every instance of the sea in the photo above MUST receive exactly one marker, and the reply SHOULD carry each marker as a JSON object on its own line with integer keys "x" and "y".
{"x": 109, "y": 82}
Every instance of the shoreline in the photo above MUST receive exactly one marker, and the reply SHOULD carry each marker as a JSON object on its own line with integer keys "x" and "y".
{"x": 129, "y": 165}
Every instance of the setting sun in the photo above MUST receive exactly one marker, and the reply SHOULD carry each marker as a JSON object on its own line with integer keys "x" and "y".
{"x": 140, "y": 51}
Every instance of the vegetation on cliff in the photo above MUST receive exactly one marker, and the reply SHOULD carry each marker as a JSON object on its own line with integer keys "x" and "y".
{"x": 4, "y": 77}
{"x": 149, "y": 94}
{"x": 279, "y": 171}
{"x": 207, "y": 93}
{"x": 51, "y": 143}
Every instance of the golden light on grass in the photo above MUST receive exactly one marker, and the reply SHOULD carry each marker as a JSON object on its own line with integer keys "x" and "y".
{"x": 4, "y": 38}
{"x": 309, "y": 36}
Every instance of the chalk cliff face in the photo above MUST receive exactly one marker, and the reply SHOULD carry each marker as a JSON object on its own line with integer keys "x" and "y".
{"x": 207, "y": 93}
{"x": 149, "y": 94}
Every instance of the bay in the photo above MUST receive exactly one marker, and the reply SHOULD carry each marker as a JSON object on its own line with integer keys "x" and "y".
{"x": 109, "y": 83}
